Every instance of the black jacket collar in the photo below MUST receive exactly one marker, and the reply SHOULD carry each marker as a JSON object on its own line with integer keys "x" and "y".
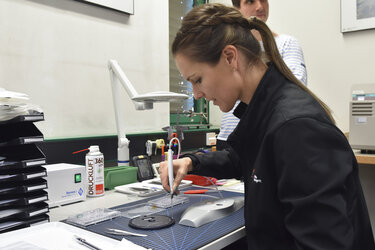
{"x": 269, "y": 83}
{"x": 255, "y": 114}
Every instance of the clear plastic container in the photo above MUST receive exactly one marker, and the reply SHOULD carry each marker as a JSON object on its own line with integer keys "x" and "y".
{"x": 93, "y": 216}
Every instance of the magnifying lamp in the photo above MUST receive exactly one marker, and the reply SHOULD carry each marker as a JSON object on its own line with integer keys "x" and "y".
{"x": 141, "y": 102}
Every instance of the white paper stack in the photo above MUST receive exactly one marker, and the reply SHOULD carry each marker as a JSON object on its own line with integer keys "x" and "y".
{"x": 59, "y": 236}
{"x": 13, "y": 104}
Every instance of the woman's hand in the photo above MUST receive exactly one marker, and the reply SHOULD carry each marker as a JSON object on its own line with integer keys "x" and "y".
{"x": 180, "y": 169}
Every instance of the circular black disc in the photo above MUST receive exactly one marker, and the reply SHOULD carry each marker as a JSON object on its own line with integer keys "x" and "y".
{"x": 149, "y": 222}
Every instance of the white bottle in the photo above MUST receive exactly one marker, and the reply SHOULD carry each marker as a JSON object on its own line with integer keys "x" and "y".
{"x": 94, "y": 172}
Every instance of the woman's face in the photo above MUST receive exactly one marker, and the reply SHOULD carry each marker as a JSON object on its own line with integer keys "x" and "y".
{"x": 215, "y": 83}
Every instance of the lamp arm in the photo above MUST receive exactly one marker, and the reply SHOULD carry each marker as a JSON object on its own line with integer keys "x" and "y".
{"x": 119, "y": 74}
{"x": 115, "y": 67}
{"x": 123, "y": 142}
{"x": 141, "y": 102}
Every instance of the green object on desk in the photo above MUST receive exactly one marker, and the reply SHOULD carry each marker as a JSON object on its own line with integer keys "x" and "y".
{"x": 120, "y": 175}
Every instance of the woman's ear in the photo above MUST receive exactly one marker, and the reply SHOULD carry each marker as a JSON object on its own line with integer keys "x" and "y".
{"x": 230, "y": 54}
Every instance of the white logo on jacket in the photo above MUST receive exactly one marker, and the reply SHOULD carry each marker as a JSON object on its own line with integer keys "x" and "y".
{"x": 255, "y": 178}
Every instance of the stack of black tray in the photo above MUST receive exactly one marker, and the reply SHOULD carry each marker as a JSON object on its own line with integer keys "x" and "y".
{"x": 22, "y": 186}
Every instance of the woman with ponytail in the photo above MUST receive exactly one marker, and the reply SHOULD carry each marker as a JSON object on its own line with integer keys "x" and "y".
{"x": 302, "y": 189}
{"x": 289, "y": 49}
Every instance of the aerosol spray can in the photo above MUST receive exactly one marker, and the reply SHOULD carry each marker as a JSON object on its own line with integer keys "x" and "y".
{"x": 95, "y": 172}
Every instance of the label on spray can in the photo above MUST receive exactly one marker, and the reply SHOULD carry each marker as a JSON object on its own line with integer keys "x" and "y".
{"x": 95, "y": 172}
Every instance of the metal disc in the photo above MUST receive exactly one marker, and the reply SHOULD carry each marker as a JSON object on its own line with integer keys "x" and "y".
{"x": 149, "y": 222}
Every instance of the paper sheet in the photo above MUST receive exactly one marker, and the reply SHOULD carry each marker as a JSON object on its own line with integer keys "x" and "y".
{"x": 58, "y": 236}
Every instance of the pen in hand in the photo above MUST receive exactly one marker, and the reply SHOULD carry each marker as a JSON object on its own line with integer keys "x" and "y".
{"x": 84, "y": 242}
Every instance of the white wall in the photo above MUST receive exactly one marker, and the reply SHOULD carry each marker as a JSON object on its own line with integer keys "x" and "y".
{"x": 56, "y": 51}
{"x": 334, "y": 60}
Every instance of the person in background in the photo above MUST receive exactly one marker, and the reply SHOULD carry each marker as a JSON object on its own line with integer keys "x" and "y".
{"x": 289, "y": 48}
{"x": 302, "y": 188}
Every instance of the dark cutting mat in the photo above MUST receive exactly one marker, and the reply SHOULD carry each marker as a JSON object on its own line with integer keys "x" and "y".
{"x": 176, "y": 236}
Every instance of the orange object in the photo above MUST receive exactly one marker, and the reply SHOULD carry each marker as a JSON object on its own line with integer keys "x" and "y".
{"x": 174, "y": 135}
{"x": 198, "y": 191}
{"x": 200, "y": 180}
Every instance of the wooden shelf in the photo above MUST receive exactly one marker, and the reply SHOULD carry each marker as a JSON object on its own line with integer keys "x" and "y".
{"x": 365, "y": 158}
{"x": 362, "y": 158}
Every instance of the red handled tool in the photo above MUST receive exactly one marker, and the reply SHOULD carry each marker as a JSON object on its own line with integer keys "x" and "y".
{"x": 199, "y": 191}
{"x": 200, "y": 180}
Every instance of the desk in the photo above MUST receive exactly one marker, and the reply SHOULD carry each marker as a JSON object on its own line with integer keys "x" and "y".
{"x": 362, "y": 158}
{"x": 365, "y": 158}
{"x": 109, "y": 199}
{"x": 112, "y": 198}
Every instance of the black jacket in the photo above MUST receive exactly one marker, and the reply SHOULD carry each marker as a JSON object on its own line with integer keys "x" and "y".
{"x": 302, "y": 189}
